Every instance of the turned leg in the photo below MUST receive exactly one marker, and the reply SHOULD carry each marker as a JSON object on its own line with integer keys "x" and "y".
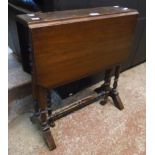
{"x": 106, "y": 86}
{"x": 114, "y": 93}
{"x": 44, "y": 121}
{"x": 36, "y": 114}
{"x": 49, "y": 108}
{"x": 35, "y": 101}
{"x": 36, "y": 107}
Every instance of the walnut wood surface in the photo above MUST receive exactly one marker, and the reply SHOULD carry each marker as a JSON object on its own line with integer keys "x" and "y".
{"x": 59, "y": 17}
{"x": 80, "y": 44}
{"x": 68, "y": 52}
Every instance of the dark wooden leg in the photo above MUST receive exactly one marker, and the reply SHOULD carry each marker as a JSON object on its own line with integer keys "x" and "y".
{"x": 44, "y": 121}
{"x": 49, "y": 107}
{"x": 36, "y": 108}
{"x": 106, "y": 86}
{"x": 36, "y": 114}
{"x": 114, "y": 93}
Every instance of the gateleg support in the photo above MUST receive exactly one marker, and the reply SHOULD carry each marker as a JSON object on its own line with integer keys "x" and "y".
{"x": 114, "y": 93}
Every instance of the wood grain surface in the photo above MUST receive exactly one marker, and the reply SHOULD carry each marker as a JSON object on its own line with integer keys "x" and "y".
{"x": 68, "y": 52}
{"x": 70, "y": 45}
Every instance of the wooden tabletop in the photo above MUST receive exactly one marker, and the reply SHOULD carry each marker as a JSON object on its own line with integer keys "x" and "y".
{"x": 58, "y": 17}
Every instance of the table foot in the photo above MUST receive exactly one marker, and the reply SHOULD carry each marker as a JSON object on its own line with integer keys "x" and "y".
{"x": 116, "y": 100}
{"x": 49, "y": 139}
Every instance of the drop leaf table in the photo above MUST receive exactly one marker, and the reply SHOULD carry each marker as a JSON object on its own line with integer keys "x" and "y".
{"x": 69, "y": 45}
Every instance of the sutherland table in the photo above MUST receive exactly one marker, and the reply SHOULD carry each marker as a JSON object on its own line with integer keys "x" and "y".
{"x": 69, "y": 45}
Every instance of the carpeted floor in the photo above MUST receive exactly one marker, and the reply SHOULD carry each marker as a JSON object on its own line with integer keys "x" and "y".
{"x": 93, "y": 130}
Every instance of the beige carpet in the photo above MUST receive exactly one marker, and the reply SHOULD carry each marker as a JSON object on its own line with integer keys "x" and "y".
{"x": 93, "y": 130}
